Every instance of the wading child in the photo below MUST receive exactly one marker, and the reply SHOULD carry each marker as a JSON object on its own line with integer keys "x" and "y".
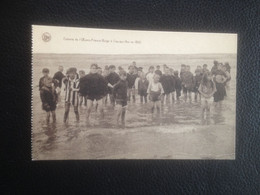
{"x": 187, "y": 83}
{"x": 178, "y": 85}
{"x": 131, "y": 76}
{"x": 81, "y": 97}
{"x": 150, "y": 74}
{"x": 71, "y": 93}
{"x": 120, "y": 94}
{"x": 93, "y": 85}
{"x": 197, "y": 80}
{"x": 48, "y": 95}
{"x": 168, "y": 83}
{"x": 207, "y": 88}
{"x": 112, "y": 79}
{"x": 155, "y": 91}
{"x": 58, "y": 76}
{"x": 142, "y": 88}
{"x": 105, "y": 74}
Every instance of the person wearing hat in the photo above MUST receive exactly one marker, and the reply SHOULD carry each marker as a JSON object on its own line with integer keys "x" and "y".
{"x": 48, "y": 95}
{"x": 71, "y": 93}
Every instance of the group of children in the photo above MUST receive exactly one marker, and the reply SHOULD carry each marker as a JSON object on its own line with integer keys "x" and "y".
{"x": 121, "y": 87}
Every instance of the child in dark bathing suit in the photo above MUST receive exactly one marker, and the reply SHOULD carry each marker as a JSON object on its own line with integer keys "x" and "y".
{"x": 48, "y": 95}
{"x": 120, "y": 94}
{"x": 94, "y": 86}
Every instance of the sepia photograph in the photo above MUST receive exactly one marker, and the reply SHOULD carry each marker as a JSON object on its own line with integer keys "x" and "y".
{"x": 131, "y": 94}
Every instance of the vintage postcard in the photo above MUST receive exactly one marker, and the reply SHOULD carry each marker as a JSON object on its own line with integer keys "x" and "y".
{"x": 129, "y": 94}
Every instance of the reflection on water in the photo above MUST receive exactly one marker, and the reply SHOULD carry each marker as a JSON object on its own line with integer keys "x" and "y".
{"x": 138, "y": 115}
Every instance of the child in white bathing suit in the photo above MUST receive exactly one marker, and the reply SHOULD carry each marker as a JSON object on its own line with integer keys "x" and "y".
{"x": 154, "y": 91}
{"x": 207, "y": 89}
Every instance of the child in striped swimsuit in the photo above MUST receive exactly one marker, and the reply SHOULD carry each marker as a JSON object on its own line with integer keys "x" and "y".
{"x": 71, "y": 93}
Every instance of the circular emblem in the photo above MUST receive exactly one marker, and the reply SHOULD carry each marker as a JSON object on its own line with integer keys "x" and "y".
{"x": 46, "y": 37}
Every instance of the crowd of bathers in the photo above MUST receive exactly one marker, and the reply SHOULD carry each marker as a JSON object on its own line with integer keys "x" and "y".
{"x": 160, "y": 85}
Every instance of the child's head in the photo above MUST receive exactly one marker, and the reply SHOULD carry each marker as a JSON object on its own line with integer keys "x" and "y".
{"x": 197, "y": 72}
{"x": 93, "y": 68}
{"x": 131, "y": 69}
{"x": 151, "y": 69}
{"x": 220, "y": 65}
{"x": 106, "y": 71}
{"x": 158, "y": 67}
{"x": 139, "y": 71}
{"x": 61, "y": 68}
{"x": 187, "y": 68}
{"x": 183, "y": 67}
{"x": 224, "y": 68}
{"x": 45, "y": 72}
{"x": 142, "y": 75}
{"x": 99, "y": 70}
{"x": 134, "y": 63}
{"x": 166, "y": 70}
{"x": 205, "y": 66}
{"x": 176, "y": 73}
{"x": 81, "y": 73}
{"x": 112, "y": 68}
{"x": 199, "y": 67}
{"x": 123, "y": 75}
{"x": 156, "y": 78}
{"x": 215, "y": 62}
{"x": 71, "y": 72}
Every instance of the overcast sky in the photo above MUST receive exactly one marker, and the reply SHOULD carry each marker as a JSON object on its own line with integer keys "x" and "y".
{"x": 103, "y": 41}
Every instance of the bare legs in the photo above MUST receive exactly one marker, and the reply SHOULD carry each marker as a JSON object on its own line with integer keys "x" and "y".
{"x": 99, "y": 107}
{"x": 67, "y": 110}
{"x": 53, "y": 116}
{"x": 121, "y": 114}
{"x": 205, "y": 111}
